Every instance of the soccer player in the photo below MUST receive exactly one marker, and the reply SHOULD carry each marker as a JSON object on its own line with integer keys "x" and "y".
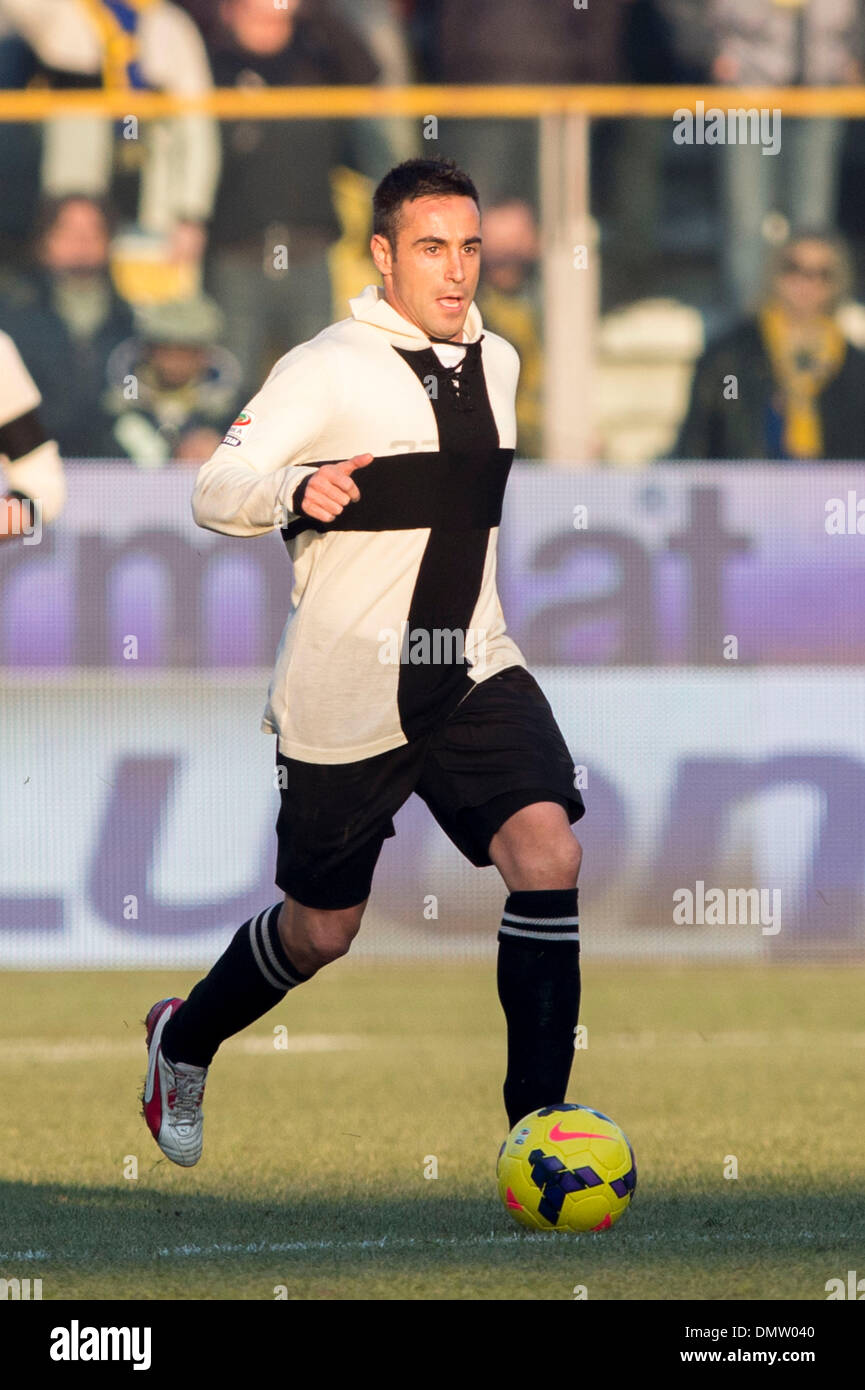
{"x": 381, "y": 448}
{"x": 30, "y": 463}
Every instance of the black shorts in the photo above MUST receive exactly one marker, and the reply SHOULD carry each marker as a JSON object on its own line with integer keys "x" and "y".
{"x": 500, "y": 749}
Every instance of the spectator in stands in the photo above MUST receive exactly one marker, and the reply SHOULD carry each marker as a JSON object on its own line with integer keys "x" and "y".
{"x": 139, "y": 45}
{"x": 686, "y": 40}
{"x": 205, "y": 15}
{"x": 382, "y": 28}
{"x": 510, "y": 41}
{"x": 172, "y": 390}
{"x": 274, "y": 218}
{"x": 784, "y": 385}
{"x": 509, "y": 299}
{"x": 67, "y": 318}
{"x": 757, "y": 43}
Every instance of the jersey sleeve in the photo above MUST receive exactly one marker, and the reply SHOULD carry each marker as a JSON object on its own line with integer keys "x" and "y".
{"x": 30, "y": 463}
{"x": 39, "y": 475}
{"x": 247, "y": 486}
{"x": 19, "y": 394}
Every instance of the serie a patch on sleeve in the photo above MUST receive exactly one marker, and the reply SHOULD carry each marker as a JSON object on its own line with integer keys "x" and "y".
{"x": 237, "y": 429}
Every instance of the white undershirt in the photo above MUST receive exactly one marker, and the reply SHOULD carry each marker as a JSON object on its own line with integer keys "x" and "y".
{"x": 450, "y": 354}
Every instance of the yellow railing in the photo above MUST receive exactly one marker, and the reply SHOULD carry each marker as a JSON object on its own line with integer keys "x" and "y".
{"x": 278, "y": 103}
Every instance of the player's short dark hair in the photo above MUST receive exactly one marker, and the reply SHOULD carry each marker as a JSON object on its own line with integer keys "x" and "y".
{"x": 416, "y": 178}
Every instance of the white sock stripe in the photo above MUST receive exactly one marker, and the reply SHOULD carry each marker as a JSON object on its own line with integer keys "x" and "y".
{"x": 278, "y": 968}
{"x": 259, "y": 959}
{"x": 539, "y": 935}
{"x": 542, "y": 921}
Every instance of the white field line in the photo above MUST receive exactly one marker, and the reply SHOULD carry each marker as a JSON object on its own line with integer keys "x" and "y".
{"x": 95, "y": 1049}
{"x": 262, "y": 1247}
{"x": 91, "y": 1049}
{"x": 302, "y": 1247}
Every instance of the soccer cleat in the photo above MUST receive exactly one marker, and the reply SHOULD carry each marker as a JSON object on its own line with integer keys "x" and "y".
{"x": 173, "y": 1094}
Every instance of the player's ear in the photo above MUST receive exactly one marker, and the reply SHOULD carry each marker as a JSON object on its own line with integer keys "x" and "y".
{"x": 382, "y": 255}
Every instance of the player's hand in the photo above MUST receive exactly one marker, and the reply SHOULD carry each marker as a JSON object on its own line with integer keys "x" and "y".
{"x": 330, "y": 488}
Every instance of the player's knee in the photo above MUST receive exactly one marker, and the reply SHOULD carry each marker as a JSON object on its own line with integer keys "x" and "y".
{"x": 314, "y": 937}
{"x": 564, "y": 858}
{"x": 552, "y": 865}
{"x": 578, "y": 857}
{"x": 328, "y": 938}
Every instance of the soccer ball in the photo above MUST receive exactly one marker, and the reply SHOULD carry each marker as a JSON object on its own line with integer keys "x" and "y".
{"x": 566, "y": 1168}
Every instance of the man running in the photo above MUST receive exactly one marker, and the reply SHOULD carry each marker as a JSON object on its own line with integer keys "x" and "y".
{"x": 381, "y": 449}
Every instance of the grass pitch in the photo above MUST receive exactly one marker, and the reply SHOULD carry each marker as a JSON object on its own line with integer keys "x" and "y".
{"x": 312, "y": 1181}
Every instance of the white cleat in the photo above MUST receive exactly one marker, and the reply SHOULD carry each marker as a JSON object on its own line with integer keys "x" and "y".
{"x": 173, "y": 1093}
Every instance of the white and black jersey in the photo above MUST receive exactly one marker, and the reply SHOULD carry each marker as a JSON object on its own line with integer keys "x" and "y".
{"x": 394, "y": 610}
{"x": 29, "y": 462}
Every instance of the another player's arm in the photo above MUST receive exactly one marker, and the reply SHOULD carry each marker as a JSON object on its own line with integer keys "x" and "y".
{"x": 31, "y": 465}
{"x": 252, "y": 484}
{"x": 33, "y": 468}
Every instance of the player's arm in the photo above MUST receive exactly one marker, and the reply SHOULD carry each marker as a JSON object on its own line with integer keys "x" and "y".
{"x": 33, "y": 476}
{"x": 327, "y": 491}
{"x": 252, "y": 482}
{"x": 31, "y": 470}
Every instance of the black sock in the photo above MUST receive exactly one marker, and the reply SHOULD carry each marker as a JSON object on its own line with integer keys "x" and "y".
{"x": 539, "y": 988}
{"x": 246, "y": 982}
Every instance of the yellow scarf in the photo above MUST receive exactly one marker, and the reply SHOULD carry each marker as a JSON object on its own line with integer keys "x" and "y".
{"x": 116, "y": 22}
{"x": 800, "y": 384}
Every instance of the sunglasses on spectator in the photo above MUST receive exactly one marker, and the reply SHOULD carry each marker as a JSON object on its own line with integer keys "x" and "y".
{"x": 790, "y": 266}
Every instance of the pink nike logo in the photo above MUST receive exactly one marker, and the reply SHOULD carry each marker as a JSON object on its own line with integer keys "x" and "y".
{"x": 558, "y": 1133}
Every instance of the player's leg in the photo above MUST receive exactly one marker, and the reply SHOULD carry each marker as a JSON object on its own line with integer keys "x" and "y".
{"x": 313, "y": 936}
{"x": 535, "y": 849}
{"x": 332, "y": 823}
{"x": 500, "y": 781}
{"x": 539, "y": 858}
{"x": 333, "y": 820}
{"x": 250, "y": 978}
{"x": 255, "y": 974}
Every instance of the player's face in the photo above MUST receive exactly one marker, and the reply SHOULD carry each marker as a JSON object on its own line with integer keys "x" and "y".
{"x": 432, "y": 278}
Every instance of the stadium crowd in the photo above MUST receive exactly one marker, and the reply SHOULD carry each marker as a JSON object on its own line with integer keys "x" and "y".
{"x": 150, "y": 276}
